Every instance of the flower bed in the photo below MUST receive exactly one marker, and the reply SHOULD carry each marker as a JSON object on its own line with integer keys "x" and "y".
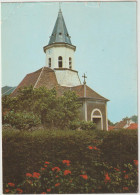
{"x": 51, "y": 179}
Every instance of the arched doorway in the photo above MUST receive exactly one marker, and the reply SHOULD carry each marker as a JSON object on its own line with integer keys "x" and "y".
{"x": 96, "y": 117}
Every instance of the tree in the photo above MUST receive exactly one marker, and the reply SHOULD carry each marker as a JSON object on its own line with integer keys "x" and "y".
{"x": 126, "y": 118}
{"x": 110, "y": 123}
{"x": 134, "y": 118}
{"x": 44, "y": 103}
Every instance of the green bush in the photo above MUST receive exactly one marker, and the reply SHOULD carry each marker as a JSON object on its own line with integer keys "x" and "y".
{"x": 26, "y": 152}
{"x": 64, "y": 179}
{"x": 120, "y": 146}
{"x": 21, "y": 120}
{"x": 87, "y": 125}
{"x": 83, "y": 125}
{"x": 74, "y": 125}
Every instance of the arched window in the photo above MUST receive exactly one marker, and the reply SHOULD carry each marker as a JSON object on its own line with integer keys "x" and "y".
{"x": 60, "y": 62}
{"x": 70, "y": 63}
{"x": 49, "y": 62}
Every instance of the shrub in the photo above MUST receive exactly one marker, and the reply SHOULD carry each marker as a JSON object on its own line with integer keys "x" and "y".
{"x": 87, "y": 125}
{"x": 83, "y": 125}
{"x": 26, "y": 152}
{"x": 55, "y": 179}
{"x": 120, "y": 144}
{"x": 74, "y": 125}
{"x": 21, "y": 120}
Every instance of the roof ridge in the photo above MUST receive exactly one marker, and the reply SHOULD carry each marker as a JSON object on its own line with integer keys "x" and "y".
{"x": 98, "y": 93}
{"x": 39, "y": 77}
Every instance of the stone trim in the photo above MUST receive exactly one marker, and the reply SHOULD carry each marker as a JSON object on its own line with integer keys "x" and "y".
{"x": 38, "y": 77}
{"x": 92, "y": 98}
{"x": 106, "y": 117}
{"x": 59, "y": 45}
{"x": 65, "y": 69}
{"x": 97, "y": 116}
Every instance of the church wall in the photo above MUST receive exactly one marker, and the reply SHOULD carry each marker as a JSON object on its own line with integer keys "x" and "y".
{"x": 67, "y": 78}
{"x": 81, "y": 111}
{"x": 91, "y": 105}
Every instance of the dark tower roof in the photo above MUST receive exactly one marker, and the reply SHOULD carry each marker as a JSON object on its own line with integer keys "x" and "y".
{"x": 60, "y": 33}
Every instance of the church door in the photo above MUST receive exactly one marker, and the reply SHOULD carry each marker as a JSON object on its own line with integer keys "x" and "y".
{"x": 96, "y": 117}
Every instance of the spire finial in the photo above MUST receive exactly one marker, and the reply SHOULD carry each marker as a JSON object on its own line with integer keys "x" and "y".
{"x": 59, "y": 6}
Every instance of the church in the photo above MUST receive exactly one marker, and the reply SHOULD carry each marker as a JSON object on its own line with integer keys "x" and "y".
{"x": 59, "y": 72}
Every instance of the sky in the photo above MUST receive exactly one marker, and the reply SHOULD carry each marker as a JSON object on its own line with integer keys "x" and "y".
{"x": 106, "y": 46}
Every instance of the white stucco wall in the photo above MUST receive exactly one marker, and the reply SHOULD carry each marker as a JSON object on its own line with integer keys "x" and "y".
{"x": 55, "y": 52}
{"x": 67, "y": 78}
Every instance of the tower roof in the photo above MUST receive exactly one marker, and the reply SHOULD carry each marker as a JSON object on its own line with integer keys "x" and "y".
{"x": 60, "y": 33}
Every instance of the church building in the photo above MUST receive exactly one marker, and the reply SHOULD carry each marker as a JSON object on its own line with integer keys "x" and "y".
{"x": 59, "y": 72}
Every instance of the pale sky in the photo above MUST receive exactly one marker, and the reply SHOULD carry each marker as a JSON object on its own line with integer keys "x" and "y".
{"x": 106, "y": 47}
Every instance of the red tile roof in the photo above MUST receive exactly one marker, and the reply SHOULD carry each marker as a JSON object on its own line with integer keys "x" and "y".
{"x": 89, "y": 92}
{"x": 42, "y": 77}
{"x": 46, "y": 77}
{"x": 133, "y": 126}
{"x": 110, "y": 128}
{"x": 120, "y": 125}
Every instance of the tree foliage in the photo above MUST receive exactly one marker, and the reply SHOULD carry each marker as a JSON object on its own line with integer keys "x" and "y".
{"x": 110, "y": 123}
{"x": 134, "y": 118}
{"x": 52, "y": 110}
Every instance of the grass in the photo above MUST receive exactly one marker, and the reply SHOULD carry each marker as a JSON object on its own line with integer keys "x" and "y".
{"x": 25, "y": 151}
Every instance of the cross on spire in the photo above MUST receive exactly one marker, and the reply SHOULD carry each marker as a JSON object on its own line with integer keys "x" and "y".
{"x": 59, "y": 6}
{"x": 84, "y": 78}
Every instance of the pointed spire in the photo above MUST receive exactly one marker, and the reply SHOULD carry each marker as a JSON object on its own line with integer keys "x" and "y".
{"x": 60, "y": 33}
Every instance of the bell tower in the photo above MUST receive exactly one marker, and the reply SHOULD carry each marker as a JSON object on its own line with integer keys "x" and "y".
{"x": 60, "y": 54}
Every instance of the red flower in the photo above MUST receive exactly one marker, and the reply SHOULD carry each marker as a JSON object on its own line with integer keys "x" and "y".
{"x": 57, "y": 184}
{"x": 56, "y": 168}
{"x": 56, "y": 176}
{"x": 7, "y": 190}
{"x": 67, "y": 162}
{"x": 43, "y": 193}
{"x": 47, "y": 163}
{"x": 28, "y": 175}
{"x": 11, "y": 184}
{"x": 124, "y": 171}
{"x": 107, "y": 178}
{"x": 84, "y": 176}
{"x": 48, "y": 190}
{"x": 19, "y": 190}
{"x": 42, "y": 169}
{"x": 126, "y": 176}
{"x": 116, "y": 169}
{"x": 66, "y": 172}
{"x": 95, "y": 148}
{"x": 125, "y": 188}
{"x": 135, "y": 162}
{"x": 90, "y": 147}
{"x": 36, "y": 175}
